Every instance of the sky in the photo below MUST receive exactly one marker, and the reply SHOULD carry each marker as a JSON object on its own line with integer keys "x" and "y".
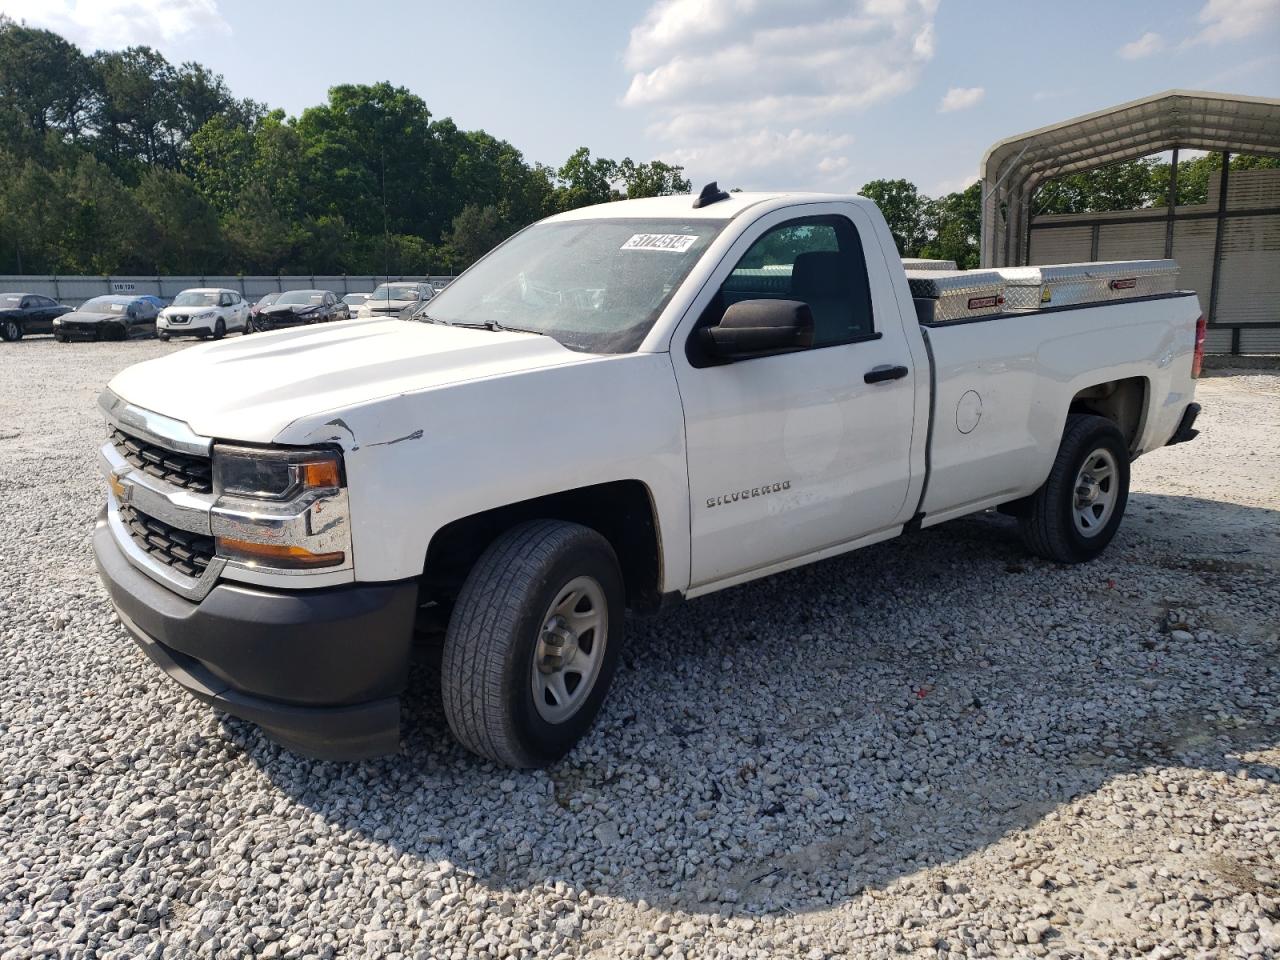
{"x": 788, "y": 94}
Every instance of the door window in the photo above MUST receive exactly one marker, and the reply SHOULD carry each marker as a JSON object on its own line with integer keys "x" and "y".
{"x": 817, "y": 260}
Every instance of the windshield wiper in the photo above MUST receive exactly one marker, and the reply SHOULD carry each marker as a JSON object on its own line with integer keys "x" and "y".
{"x": 496, "y": 327}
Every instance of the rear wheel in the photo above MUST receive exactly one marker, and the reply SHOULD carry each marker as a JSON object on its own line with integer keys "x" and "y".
{"x": 11, "y": 331}
{"x": 1077, "y": 511}
{"x": 533, "y": 642}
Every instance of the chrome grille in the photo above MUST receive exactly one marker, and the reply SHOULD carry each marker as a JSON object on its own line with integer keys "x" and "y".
{"x": 183, "y": 470}
{"x": 186, "y": 552}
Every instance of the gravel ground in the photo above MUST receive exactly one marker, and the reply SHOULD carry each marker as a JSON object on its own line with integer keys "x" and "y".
{"x": 935, "y": 745}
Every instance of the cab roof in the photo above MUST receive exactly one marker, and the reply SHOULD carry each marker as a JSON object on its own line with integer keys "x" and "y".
{"x": 680, "y": 206}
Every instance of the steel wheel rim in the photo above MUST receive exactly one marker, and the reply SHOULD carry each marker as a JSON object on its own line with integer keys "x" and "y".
{"x": 1096, "y": 492}
{"x": 569, "y": 649}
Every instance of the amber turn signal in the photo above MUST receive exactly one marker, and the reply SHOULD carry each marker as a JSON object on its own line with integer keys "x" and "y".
{"x": 276, "y": 554}
{"x": 321, "y": 474}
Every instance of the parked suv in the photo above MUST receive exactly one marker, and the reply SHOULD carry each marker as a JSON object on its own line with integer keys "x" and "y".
{"x": 23, "y": 313}
{"x": 203, "y": 312}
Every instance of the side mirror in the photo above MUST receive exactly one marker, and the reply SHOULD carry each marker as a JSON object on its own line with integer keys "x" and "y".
{"x": 754, "y": 328}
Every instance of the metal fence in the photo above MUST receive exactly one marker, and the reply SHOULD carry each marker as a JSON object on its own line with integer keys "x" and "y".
{"x": 75, "y": 290}
{"x": 1228, "y": 249}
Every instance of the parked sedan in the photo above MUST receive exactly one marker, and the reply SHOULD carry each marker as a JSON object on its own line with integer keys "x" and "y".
{"x": 391, "y": 299}
{"x": 203, "y": 312}
{"x": 355, "y": 301}
{"x": 23, "y": 313}
{"x": 297, "y": 307}
{"x": 116, "y": 317}
{"x": 265, "y": 301}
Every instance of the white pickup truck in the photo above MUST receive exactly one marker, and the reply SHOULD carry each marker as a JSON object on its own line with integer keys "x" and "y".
{"x": 619, "y": 407}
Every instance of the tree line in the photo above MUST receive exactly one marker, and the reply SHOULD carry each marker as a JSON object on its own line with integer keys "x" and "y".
{"x": 119, "y": 162}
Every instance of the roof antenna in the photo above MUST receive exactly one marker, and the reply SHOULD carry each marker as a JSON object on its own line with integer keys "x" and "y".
{"x": 710, "y": 194}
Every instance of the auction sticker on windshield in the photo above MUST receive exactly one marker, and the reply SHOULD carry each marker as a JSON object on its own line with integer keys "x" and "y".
{"x": 672, "y": 242}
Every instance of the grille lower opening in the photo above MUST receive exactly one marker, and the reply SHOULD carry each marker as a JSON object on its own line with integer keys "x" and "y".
{"x": 188, "y": 553}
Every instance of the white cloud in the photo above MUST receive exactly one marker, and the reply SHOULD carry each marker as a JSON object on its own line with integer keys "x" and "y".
{"x": 961, "y": 98}
{"x": 954, "y": 185}
{"x": 766, "y": 157}
{"x": 762, "y": 92}
{"x": 1226, "y": 20}
{"x": 1144, "y": 46}
{"x": 111, "y": 24}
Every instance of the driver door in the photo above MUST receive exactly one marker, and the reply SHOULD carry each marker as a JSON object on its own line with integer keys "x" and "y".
{"x": 794, "y": 454}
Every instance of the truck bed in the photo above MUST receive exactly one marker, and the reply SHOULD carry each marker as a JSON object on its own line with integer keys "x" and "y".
{"x": 1010, "y": 348}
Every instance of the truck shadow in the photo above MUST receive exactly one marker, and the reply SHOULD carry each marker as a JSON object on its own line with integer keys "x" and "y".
{"x": 784, "y": 745}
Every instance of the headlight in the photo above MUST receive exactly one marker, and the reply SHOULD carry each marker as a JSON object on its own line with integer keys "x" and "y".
{"x": 57, "y": 321}
{"x": 207, "y": 315}
{"x": 274, "y": 474}
{"x": 280, "y": 509}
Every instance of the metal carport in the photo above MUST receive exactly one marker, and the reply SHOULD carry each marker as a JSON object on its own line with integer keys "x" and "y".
{"x": 1014, "y": 168}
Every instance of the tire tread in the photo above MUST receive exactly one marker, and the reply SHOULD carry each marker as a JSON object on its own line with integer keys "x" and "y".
{"x": 1041, "y": 529}
{"x": 482, "y": 630}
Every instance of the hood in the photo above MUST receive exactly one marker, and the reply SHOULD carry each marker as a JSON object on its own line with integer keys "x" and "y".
{"x": 95, "y": 317}
{"x": 251, "y": 388}
{"x": 187, "y": 311}
{"x": 291, "y": 307}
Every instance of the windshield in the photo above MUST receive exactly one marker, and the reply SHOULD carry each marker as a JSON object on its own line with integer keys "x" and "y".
{"x": 354, "y": 298}
{"x": 595, "y": 285}
{"x": 13, "y": 298}
{"x": 302, "y": 296}
{"x": 396, "y": 291}
{"x": 269, "y": 299}
{"x": 195, "y": 298}
{"x": 105, "y": 305}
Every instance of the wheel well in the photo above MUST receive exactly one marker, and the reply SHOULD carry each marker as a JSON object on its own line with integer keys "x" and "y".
{"x": 621, "y": 511}
{"x": 1124, "y": 402}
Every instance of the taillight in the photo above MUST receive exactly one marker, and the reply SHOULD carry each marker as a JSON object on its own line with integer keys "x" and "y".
{"x": 1197, "y": 358}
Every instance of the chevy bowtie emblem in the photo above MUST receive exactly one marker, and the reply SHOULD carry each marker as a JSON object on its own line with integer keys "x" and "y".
{"x": 122, "y": 490}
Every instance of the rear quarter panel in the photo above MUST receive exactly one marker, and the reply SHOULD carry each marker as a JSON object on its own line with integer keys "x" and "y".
{"x": 1025, "y": 370}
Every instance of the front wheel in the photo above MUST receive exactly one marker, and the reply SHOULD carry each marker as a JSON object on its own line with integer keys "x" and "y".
{"x": 219, "y": 329}
{"x": 532, "y": 645}
{"x": 11, "y": 331}
{"x": 1077, "y": 511}
{"x": 164, "y": 337}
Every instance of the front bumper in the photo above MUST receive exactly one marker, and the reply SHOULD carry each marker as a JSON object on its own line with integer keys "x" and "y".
{"x": 320, "y": 671}
{"x": 181, "y": 329}
{"x": 82, "y": 331}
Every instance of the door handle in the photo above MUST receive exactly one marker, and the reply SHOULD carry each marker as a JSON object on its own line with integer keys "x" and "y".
{"x": 885, "y": 372}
